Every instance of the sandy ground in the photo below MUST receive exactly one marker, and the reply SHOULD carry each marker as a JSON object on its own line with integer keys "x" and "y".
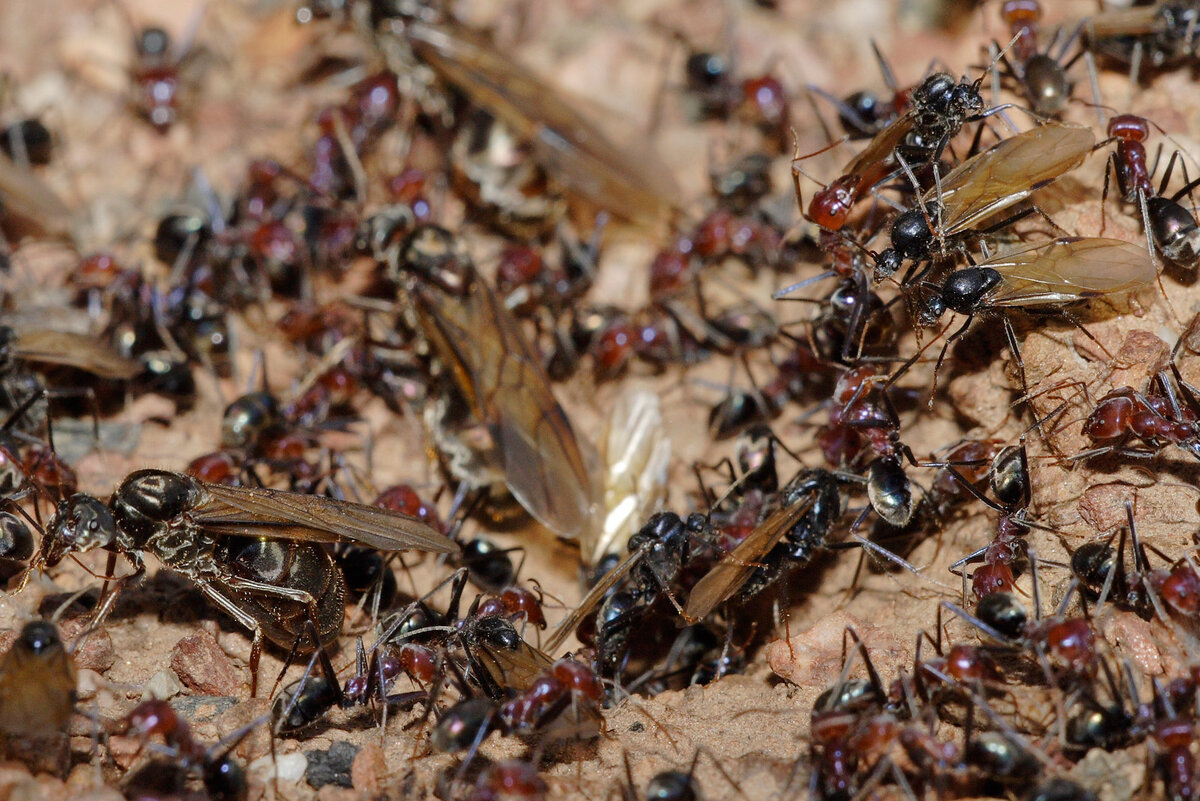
{"x": 67, "y": 59}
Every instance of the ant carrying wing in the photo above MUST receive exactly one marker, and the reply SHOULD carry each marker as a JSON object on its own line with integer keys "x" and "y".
{"x": 720, "y": 583}
{"x": 74, "y": 350}
{"x": 1007, "y": 173}
{"x": 1068, "y": 269}
{"x": 623, "y": 180}
{"x": 594, "y": 597}
{"x": 259, "y": 511}
{"x": 504, "y": 382}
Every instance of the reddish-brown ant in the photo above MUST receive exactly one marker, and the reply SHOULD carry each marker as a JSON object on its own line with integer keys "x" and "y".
{"x": 1170, "y": 226}
{"x": 1041, "y": 76}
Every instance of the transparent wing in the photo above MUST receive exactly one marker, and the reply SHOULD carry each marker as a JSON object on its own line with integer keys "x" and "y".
{"x": 593, "y": 598}
{"x": 74, "y": 350}
{"x": 629, "y": 180}
{"x": 24, "y": 195}
{"x": 727, "y": 577}
{"x": 262, "y": 512}
{"x": 1069, "y": 269}
{"x": 543, "y": 465}
{"x": 1007, "y": 173}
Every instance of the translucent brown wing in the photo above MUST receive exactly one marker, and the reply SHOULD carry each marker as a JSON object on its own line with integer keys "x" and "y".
{"x": 498, "y": 373}
{"x": 1125, "y": 22}
{"x": 513, "y": 669}
{"x": 628, "y": 180}
{"x": 727, "y": 577}
{"x": 262, "y": 512}
{"x": 24, "y": 196}
{"x": 37, "y": 692}
{"x": 1069, "y": 269}
{"x": 1007, "y": 173}
{"x": 74, "y": 350}
{"x": 592, "y": 600}
{"x": 881, "y": 145}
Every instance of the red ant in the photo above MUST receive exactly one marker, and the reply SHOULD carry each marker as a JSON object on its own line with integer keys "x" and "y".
{"x": 224, "y": 779}
{"x": 1171, "y": 228}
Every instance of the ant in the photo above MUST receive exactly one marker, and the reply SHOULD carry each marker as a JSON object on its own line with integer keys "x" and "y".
{"x": 224, "y": 779}
{"x": 1068, "y": 644}
{"x": 1041, "y": 77}
{"x": 567, "y": 684}
{"x": 1161, "y": 34}
{"x": 1171, "y": 228}
{"x": 1104, "y": 574}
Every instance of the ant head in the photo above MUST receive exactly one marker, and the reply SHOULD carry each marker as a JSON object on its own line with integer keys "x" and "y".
{"x": 80, "y": 524}
{"x": 887, "y": 263}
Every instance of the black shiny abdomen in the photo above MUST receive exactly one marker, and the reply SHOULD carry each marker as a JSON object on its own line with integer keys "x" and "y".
{"x": 293, "y": 565}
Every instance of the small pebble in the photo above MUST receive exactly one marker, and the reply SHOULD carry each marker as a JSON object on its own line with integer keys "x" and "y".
{"x": 287, "y": 768}
{"x": 331, "y": 766}
{"x": 203, "y": 667}
{"x": 162, "y": 685}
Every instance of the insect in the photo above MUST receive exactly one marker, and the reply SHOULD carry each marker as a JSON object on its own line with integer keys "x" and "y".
{"x": 500, "y": 378}
{"x": 223, "y": 778}
{"x": 1069, "y": 644}
{"x": 808, "y": 507}
{"x": 1008, "y": 477}
{"x": 981, "y": 187}
{"x": 1054, "y": 273}
{"x": 938, "y": 108}
{"x": 626, "y": 180}
{"x": 565, "y": 685}
{"x": 37, "y": 683}
{"x": 1041, "y": 76}
{"x": 1160, "y": 35}
{"x": 864, "y": 114}
{"x": 760, "y": 101}
{"x": 1148, "y": 592}
{"x": 1169, "y": 224}
{"x": 256, "y": 553}
{"x": 311, "y": 697}
{"x": 656, "y": 555}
